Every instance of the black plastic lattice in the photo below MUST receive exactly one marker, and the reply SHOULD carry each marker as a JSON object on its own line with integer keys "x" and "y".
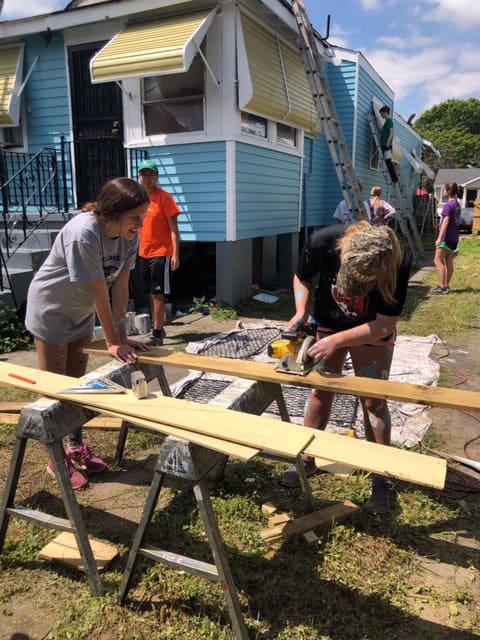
{"x": 241, "y": 344}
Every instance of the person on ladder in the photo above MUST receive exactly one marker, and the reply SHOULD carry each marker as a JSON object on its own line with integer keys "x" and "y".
{"x": 386, "y": 141}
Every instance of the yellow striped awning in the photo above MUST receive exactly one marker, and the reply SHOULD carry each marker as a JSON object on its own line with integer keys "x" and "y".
{"x": 11, "y": 74}
{"x": 153, "y": 48}
{"x": 272, "y": 79}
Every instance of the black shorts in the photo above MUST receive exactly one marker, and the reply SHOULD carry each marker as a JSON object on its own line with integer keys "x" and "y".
{"x": 156, "y": 274}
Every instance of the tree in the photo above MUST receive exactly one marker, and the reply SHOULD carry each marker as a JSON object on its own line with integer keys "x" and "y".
{"x": 454, "y": 128}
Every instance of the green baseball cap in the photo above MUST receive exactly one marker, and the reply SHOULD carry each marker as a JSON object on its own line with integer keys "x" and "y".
{"x": 148, "y": 164}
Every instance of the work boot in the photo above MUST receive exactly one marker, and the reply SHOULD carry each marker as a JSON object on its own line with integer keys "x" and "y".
{"x": 382, "y": 489}
{"x": 290, "y": 478}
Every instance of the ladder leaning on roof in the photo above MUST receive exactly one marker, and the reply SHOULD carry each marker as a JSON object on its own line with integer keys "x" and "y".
{"x": 327, "y": 113}
{"x": 398, "y": 197}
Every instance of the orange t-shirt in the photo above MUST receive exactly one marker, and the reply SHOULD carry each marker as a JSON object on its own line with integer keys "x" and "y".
{"x": 155, "y": 235}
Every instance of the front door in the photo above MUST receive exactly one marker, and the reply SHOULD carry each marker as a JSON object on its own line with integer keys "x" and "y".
{"x": 97, "y": 120}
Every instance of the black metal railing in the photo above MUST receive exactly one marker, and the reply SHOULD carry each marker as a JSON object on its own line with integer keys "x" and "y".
{"x": 30, "y": 187}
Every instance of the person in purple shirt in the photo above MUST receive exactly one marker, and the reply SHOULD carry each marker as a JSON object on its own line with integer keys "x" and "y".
{"x": 447, "y": 239}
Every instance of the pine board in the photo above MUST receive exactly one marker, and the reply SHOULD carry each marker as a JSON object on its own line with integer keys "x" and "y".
{"x": 388, "y": 461}
{"x": 188, "y": 420}
{"x": 350, "y": 385}
{"x": 244, "y": 429}
{"x": 64, "y": 549}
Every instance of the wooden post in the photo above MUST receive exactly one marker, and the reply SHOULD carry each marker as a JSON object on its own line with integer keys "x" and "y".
{"x": 476, "y": 218}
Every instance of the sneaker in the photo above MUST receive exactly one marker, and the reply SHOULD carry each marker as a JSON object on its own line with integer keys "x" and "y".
{"x": 155, "y": 338}
{"x": 444, "y": 291}
{"x": 86, "y": 459}
{"x": 290, "y": 478}
{"x": 382, "y": 489}
{"x": 440, "y": 291}
{"x": 77, "y": 479}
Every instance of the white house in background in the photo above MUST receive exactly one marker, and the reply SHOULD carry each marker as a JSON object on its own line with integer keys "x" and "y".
{"x": 469, "y": 179}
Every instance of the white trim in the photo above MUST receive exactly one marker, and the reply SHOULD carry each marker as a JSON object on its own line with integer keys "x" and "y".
{"x": 356, "y": 56}
{"x": 355, "y": 116}
{"x": 187, "y": 138}
{"x": 231, "y": 188}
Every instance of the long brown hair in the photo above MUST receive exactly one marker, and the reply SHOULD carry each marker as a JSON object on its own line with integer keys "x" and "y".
{"x": 386, "y": 278}
{"x": 115, "y": 197}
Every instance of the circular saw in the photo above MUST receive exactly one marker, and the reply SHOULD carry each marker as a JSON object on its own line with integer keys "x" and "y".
{"x": 291, "y": 349}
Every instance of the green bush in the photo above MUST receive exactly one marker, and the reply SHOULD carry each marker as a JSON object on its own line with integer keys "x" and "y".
{"x": 13, "y": 335}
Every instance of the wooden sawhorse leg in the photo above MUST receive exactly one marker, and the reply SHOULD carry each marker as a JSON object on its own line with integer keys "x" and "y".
{"x": 191, "y": 463}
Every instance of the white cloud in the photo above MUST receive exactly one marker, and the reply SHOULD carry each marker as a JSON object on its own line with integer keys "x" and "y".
{"x": 463, "y": 13}
{"x": 13, "y": 9}
{"x": 371, "y": 5}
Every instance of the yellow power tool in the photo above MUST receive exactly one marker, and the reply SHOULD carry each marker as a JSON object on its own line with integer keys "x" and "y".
{"x": 291, "y": 349}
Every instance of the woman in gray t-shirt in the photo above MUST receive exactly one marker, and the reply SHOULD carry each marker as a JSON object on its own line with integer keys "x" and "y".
{"x": 87, "y": 270}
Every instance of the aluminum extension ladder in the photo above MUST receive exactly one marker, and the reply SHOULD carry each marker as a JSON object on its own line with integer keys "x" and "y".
{"x": 327, "y": 113}
{"x": 398, "y": 197}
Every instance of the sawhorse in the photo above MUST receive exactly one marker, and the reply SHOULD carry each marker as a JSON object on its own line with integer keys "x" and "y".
{"x": 243, "y": 395}
{"x": 48, "y": 422}
{"x": 191, "y": 464}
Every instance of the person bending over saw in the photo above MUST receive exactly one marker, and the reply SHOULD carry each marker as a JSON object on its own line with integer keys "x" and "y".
{"x": 362, "y": 278}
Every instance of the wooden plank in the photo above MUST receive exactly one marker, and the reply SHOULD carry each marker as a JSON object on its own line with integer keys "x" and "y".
{"x": 12, "y": 407}
{"x": 64, "y": 549}
{"x": 388, "y": 461}
{"x": 103, "y": 422}
{"x": 231, "y": 449}
{"x": 216, "y": 422}
{"x": 9, "y": 418}
{"x": 316, "y": 520}
{"x": 356, "y": 385}
{"x": 240, "y": 428}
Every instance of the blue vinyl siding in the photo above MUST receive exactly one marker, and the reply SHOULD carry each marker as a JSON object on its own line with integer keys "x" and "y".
{"x": 267, "y": 191}
{"x": 46, "y": 100}
{"x": 409, "y": 139}
{"x": 46, "y": 93}
{"x": 368, "y": 89}
{"x": 314, "y": 165}
{"x": 195, "y": 174}
{"x": 322, "y": 191}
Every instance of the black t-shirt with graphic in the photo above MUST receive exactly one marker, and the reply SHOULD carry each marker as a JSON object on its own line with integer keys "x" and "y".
{"x": 321, "y": 258}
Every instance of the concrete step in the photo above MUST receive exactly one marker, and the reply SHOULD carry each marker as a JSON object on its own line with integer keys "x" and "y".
{"x": 20, "y": 279}
{"x": 27, "y": 258}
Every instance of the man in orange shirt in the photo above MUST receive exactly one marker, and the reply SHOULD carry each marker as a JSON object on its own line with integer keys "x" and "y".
{"x": 159, "y": 248}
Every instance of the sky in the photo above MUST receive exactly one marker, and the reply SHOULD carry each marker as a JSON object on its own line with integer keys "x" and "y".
{"x": 425, "y": 50}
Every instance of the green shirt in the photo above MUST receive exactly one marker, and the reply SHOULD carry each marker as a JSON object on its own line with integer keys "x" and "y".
{"x": 388, "y": 124}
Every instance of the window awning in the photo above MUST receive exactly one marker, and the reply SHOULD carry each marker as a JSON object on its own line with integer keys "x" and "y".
{"x": 154, "y": 48}
{"x": 272, "y": 79}
{"x": 11, "y": 73}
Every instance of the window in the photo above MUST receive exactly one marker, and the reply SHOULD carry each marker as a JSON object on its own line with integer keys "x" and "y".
{"x": 254, "y": 125}
{"x": 286, "y": 135}
{"x": 374, "y": 160}
{"x": 12, "y": 137}
{"x": 174, "y": 103}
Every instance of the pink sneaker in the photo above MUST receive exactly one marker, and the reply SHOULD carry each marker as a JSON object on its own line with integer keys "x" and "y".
{"x": 77, "y": 479}
{"x": 86, "y": 459}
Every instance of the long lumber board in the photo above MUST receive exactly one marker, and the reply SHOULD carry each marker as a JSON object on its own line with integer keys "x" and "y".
{"x": 389, "y": 461}
{"x": 265, "y": 372}
{"x": 244, "y": 429}
{"x": 405, "y": 465}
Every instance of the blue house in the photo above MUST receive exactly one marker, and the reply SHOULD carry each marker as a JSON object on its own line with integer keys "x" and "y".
{"x": 216, "y": 93}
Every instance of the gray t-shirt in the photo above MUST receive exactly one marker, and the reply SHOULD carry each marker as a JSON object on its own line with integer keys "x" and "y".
{"x": 60, "y": 305}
